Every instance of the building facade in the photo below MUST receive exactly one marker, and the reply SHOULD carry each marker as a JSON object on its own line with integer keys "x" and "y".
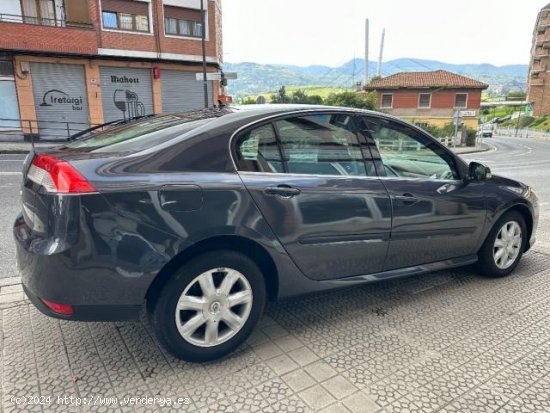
{"x": 429, "y": 98}
{"x": 538, "y": 83}
{"x": 77, "y": 63}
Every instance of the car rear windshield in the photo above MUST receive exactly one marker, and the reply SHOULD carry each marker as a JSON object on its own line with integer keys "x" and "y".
{"x": 143, "y": 134}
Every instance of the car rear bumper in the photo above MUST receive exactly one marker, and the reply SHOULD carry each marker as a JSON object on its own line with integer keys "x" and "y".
{"x": 93, "y": 280}
{"x": 88, "y": 312}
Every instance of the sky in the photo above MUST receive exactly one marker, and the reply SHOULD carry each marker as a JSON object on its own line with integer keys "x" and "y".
{"x": 308, "y": 32}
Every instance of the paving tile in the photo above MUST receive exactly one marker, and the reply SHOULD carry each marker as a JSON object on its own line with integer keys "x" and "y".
{"x": 316, "y": 397}
{"x": 339, "y": 387}
{"x": 336, "y": 408}
{"x": 303, "y": 356}
{"x": 320, "y": 371}
{"x": 298, "y": 380}
{"x": 282, "y": 364}
{"x": 360, "y": 403}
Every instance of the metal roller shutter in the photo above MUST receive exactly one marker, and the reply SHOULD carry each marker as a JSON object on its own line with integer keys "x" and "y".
{"x": 181, "y": 91}
{"x": 60, "y": 98}
{"x": 126, "y": 92}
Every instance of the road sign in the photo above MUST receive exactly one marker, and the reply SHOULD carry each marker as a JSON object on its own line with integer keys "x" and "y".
{"x": 225, "y": 99}
{"x": 217, "y": 76}
{"x": 457, "y": 117}
{"x": 468, "y": 113}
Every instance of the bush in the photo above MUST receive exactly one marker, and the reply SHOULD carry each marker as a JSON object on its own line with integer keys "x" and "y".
{"x": 351, "y": 99}
{"x": 470, "y": 137}
{"x": 526, "y": 121}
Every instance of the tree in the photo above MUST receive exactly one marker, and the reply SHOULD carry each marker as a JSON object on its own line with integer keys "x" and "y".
{"x": 315, "y": 100}
{"x": 351, "y": 99}
{"x": 299, "y": 96}
{"x": 248, "y": 101}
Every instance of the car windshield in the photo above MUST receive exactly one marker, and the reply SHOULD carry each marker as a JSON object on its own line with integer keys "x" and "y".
{"x": 143, "y": 134}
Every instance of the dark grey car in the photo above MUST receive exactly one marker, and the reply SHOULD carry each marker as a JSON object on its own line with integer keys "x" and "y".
{"x": 203, "y": 216}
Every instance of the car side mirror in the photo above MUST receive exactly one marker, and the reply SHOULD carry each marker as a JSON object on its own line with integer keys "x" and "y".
{"x": 478, "y": 172}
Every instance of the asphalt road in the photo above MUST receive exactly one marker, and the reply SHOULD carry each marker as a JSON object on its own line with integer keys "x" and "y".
{"x": 527, "y": 160}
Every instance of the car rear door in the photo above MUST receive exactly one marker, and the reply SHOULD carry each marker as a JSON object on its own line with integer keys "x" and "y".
{"x": 309, "y": 179}
{"x": 436, "y": 215}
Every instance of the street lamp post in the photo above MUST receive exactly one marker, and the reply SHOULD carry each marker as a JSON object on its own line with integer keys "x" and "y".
{"x": 203, "y": 42}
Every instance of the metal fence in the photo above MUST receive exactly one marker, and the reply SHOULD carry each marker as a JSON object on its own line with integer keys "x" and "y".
{"x": 58, "y": 21}
{"x": 17, "y": 129}
{"x": 522, "y": 133}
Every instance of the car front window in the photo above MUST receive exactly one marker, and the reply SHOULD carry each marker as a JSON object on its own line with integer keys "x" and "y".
{"x": 406, "y": 153}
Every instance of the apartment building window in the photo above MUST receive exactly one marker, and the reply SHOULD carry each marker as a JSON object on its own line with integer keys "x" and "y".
{"x": 387, "y": 101}
{"x": 125, "y": 15}
{"x": 39, "y": 12}
{"x": 425, "y": 100}
{"x": 179, "y": 21}
{"x": 461, "y": 99}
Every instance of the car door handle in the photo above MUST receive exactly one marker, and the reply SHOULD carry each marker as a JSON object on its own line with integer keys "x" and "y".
{"x": 284, "y": 191}
{"x": 407, "y": 199}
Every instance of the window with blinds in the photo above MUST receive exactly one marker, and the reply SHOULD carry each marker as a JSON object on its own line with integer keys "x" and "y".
{"x": 127, "y": 15}
{"x": 179, "y": 21}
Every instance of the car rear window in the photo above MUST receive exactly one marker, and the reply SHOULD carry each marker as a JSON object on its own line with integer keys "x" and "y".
{"x": 143, "y": 134}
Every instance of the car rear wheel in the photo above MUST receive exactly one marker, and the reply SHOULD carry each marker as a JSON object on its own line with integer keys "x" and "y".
{"x": 210, "y": 306}
{"x": 504, "y": 246}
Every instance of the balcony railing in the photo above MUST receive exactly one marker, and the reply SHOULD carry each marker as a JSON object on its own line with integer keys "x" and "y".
{"x": 40, "y": 21}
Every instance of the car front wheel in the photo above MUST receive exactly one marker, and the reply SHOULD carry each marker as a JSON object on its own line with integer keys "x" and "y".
{"x": 210, "y": 306}
{"x": 504, "y": 246}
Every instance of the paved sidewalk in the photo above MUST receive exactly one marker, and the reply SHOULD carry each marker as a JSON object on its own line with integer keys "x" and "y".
{"x": 22, "y": 147}
{"x": 447, "y": 342}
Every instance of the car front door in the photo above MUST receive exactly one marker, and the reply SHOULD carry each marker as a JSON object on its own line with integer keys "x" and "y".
{"x": 308, "y": 177}
{"x": 435, "y": 214}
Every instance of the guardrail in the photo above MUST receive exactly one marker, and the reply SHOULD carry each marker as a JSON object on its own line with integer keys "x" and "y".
{"x": 522, "y": 133}
{"x": 42, "y": 130}
{"x": 400, "y": 146}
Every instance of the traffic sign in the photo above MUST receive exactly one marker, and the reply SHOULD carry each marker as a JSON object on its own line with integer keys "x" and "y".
{"x": 217, "y": 76}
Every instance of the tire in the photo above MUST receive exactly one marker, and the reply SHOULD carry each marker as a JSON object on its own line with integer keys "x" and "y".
{"x": 220, "y": 332}
{"x": 488, "y": 264}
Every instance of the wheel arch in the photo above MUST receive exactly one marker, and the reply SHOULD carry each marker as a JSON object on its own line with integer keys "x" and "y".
{"x": 236, "y": 243}
{"x": 524, "y": 211}
{"x": 527, "y": 216}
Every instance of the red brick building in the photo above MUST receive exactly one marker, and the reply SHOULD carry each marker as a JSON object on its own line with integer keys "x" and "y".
{"x": 538, "y": 83}
{"x": 429, "y": 97}
{"x": 86, "y": 62}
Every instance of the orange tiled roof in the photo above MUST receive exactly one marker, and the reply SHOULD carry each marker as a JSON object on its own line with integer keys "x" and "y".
{"x": 435, "y": 79}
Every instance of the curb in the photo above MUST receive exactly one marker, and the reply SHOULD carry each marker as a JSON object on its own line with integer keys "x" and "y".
{"x": 483, "y": 148}
{"x": 14, "y": 152}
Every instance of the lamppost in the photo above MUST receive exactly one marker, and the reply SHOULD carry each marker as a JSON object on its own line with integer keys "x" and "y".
{"x": 203, "y": 43}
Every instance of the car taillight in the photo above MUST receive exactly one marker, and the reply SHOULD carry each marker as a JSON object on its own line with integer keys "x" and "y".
{"x": 57, "y": 176}
{"x": 63, "y": 309}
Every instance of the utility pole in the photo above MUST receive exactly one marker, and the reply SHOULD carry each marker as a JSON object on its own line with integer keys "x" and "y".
{"x": 379, "y": 71}
{"x": 203, "y": 42}
{"x": 366, "y": 51}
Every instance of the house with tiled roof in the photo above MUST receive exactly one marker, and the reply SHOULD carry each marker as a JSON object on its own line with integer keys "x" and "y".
{"x": 429, "y": 98}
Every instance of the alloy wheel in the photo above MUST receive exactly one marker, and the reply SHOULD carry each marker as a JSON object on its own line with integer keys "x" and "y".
{"x": 507, "y": 245}
{"x": 214, "y": 307}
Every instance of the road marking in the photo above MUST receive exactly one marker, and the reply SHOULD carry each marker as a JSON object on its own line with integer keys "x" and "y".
{"x": 10, "y": 173}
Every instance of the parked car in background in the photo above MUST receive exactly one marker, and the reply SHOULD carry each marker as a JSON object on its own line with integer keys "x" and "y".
{"x": 485, "y": 130}
{"x": 202, "y": 217}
